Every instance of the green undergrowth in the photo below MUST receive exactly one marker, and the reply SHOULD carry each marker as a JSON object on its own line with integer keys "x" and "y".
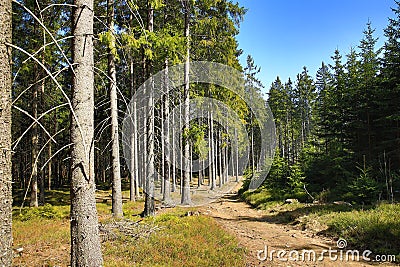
{"x": 47, "y": 211}
{"x": 374, "y": 227}
{"x": 181, "y": 241}
{"x": 178, "y": 240}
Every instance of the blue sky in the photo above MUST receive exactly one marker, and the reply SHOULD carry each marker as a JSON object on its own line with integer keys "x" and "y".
{"x": 285, "y": 35}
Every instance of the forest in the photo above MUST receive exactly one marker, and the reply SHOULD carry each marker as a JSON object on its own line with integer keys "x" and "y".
{"x": 122, "y": 118}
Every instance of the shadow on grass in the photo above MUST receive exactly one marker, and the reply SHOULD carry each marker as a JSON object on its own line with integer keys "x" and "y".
{"x": 58, "y": 197}
{"x": 374, "y": 227}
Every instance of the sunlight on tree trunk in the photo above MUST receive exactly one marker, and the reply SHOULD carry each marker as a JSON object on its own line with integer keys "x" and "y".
{"x": 116, "y": 169}
{"x": 185, "y": 200}
{"x": 6, "y": 240}
{"x": 85, "y": 240}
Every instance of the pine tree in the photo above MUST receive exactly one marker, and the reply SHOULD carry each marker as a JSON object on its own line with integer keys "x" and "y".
{"x": 389, "y": 95}
{"x": 116, "y": 169}
{"x": 6, "y": 254}
{"x": 85, "y": 240}
{"x": 185, "y": 200}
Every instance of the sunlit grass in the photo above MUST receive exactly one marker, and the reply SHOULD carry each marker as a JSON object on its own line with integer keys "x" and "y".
{"x": 374, "y": 227}
{"x": 182, "y": 240}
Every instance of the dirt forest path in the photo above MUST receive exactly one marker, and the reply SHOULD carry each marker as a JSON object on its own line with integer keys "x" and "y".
{"x": 254, "y": 232}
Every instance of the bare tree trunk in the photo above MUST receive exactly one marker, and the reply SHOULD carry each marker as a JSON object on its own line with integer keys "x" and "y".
{"x": 185, "y": 200}
{"x": 252, "y": 149}
{"x": 173, "y": 156}
{"x": 49, "y": 167}
{"x": 116, "y": 170}
{"x": 85, "y": 241}
{"x": 34, "y": 147}
{"x": 167, "y": 154}
{"x": 219, "y": 149}
{"x": 134, "y": 182}
{"x": 5, "y": 135}
{"x": 42, "y": 177}
{"x": 211, "y": 167}
{"x": 181, "y": 150}
{"x": 34, "y": 202}
{"x": 225, "y": 164}
{"x": 149, "y": 206}
{"x": 237, "y": 156}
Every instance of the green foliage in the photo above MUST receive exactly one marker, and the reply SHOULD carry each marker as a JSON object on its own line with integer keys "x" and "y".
{"x": 108, "y": 39}
{"x": 43, "y": 212}
{"x": 284, "y": 181}
{"x": 328, "y": 126}
{"x": 376, "y": 229}
{"x": 156, "y": 4}
{"x": 364, "y": 188}
{"x": 196, "y": 134}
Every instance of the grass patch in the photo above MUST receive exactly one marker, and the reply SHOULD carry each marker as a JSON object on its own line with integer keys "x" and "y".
{"x": 44, "y": 235}
{"x": 260, "y": 198}
{"x": 184, "y": 241}
{"x": 47, "y": 211}
{"x": 377, "y": 229}
{"x": 373, "y": 227}
{"x": 45, "y": 242}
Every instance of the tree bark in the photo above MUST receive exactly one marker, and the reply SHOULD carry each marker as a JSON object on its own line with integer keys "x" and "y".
{"x": 34, "y": 148}
{"x": 236, "y": 157}
{"x": 85, "y": 241}
{"x": 5, "y": 135}
{"x": 185, "y": 200}
{"x": 34, "y": 201}
{"x": 112, "y": 74}
{"x": 212, "y": 172}
{"x": 134, "y": 182}
{"x": 149, "y": 205}
{"x": 166, "y": 144}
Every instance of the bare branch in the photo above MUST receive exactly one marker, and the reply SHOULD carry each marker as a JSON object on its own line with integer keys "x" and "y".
{"x": 42, "y": 115}
{"x": 36, "y": 121}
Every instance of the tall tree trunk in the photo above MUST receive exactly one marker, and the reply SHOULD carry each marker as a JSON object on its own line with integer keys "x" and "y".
{"x": 112, "y": 74}
{"x": 134, "y": 183}
{"x": 42, "y": 178}
{"x": 149, "y": 206}
{"x": 5, "y": 135}
{"x": 173, "y": 161}
{"x": 49, "y": 167}
{"x": 236, "y": 156}
{"x": 219, "y": 149}
{"x": 167, "y": 153}
{"x": 34, "y": 146}
{"x": 212, "y": 173}
{"x": 185, "y": 200}
{"x": 85, "y": 240}
{"x": 34, "y": 202}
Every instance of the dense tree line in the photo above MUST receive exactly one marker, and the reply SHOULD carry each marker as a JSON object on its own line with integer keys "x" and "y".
{"x": 338, "y": 134}
{"x": 75, "y": 65}
{"x": 132, "y": 40}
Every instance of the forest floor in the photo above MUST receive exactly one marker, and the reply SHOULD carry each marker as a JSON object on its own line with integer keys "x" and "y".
{"x": 227, "y": 232}
{"x": 260, "y": 236}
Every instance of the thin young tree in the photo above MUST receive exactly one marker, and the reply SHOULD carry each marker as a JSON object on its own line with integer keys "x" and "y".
{"x": 112, "y": 74}
{"x": 5, "y": 135}
{"x": 149, "y": 206}
{"x": 34, "y": 201}
{"x": 185, "y": 200}
{"x": 166, "y": 132}
{"x": 85, "y": 240}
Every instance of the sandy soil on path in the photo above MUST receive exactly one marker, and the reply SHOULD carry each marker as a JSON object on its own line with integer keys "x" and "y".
{"x": 259, "y": 236}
